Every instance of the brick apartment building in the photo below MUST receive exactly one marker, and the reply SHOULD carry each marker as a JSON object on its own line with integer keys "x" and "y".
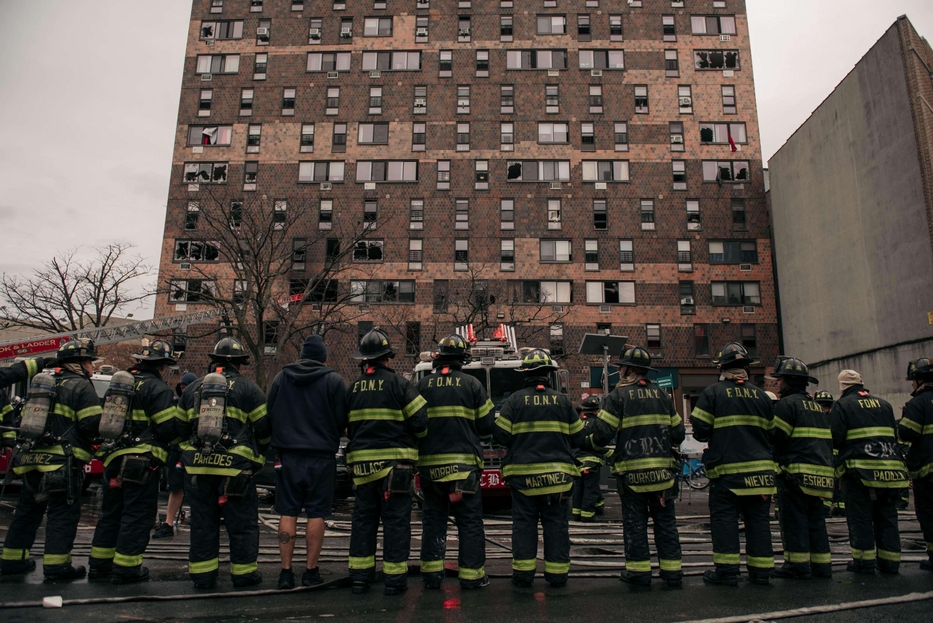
{"x": 579, "y": 165}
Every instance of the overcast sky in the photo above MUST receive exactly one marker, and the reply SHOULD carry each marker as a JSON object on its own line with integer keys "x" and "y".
{"x": 89, "y": 95}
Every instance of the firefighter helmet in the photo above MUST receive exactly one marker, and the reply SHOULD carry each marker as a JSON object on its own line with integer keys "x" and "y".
{"x": 453, "y": 346}
{"x": 823, "y": 397}
{"x": 635, "y": 357}
{"x": 375, "y": 344}
{"x": 772, "y": 396}
{"x": 538, "y": 361}
{"x": 918, "y": 368}
{"x": 590, "y": 403}
{"x": 76, "y": 350}
{"x": 159, "y": 350}
{"x": 229, "y": 349}
{"x": 733, "y": 355}
{"x": 791, "y": 367}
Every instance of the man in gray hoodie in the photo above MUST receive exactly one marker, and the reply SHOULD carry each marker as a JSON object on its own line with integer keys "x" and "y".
{"x": 307, "y": 406}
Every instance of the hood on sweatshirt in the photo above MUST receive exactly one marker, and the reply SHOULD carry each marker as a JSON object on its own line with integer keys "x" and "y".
{"x": 306, "y": 371}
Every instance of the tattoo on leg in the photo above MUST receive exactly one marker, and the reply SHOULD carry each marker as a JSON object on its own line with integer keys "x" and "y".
{"x": 285, "y": 537}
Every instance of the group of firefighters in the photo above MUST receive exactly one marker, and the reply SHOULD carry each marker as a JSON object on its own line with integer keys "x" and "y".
{"x": 793, "y": 448}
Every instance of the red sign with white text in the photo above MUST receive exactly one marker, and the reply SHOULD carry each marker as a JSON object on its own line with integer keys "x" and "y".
{"x": 31, "y": 347}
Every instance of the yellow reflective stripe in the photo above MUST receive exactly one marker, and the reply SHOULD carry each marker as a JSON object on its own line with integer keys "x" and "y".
{"x": 449, "y": 459}
{"x": 394, "y": 568}
{"x": 9, "y": 434}
{"x": 638, "y": 566}
{"x": 646, "y": 420}
{"x": 258, "y": 413}
{"x": 362, "y": 415}
{"x": 104, "y": 553}
{"x": 869, "y": 431}
{"x": 138, "y": 415}
{"x": 432, "y": 566}
{"x": 809, "y": 432}
{"x": 703, "y": 416}
{"x": 547, "y": 490}
{"x": 576, "y": 427}
{"x": 821, "y": 558}
{"x": 485, "y": 409}
{"x": 6, "y": 409}
{"x": 37, "y": 468}
{"x": 929, "y": 548}
{"x": 889, "y": 556}
{"x": 451, "y": 411}
{"x": 504, "y": 423}
{"x": 213, "y": 471}
{"x": 362, "y": 480}
{"x": 676, "y": 420}
{"x": 862, "y": 554}
{"x": 534, "y": 469}
{"x": 809, "y": 468}
{"x": 906, "y": 422}
{"x": 414, "y": 406}
{"x": 525, "y": 564}
{"x": 159, "y": 453}
{"x": 556, "y": 567}
{"x": 923, "y": 472}
{"x": 466, "y": 573}
{"x": 64, "y": 411}
{"x": 362, "y": 562}
{"x": 236, "y": 414}
{"x": 743, "y": 420}
{"x": 796, "y": 556}
{"x": 88, "y": 412}
{"x": 32, "y": 368}
{"x": 669, "y": 565}
{"x": 243, "y": 568}
{"x": 608, "y": 418}
{"x": 543, "y": 427}
{"x": 784, "y": 426}
{"x": 164, "y": 415}
{"x": 204, "y": 566}
{"x": 587, "y": 514}
{"x": 633, "y": 464}
{"x": 56, "y": 559}
{"x": 247, "y": 453}
{"x": 874, "y": 464}
{"x": 928, "y": 429}
{"x": 383, "y": 454}
{"x": 725, "y": 559}
{"x": 755, "y": 491}
{"x": 123, "y": 560}
{"x": 760, "y": 561}
{"x": 14, "y": 554}
{"x": 739, "y": 468}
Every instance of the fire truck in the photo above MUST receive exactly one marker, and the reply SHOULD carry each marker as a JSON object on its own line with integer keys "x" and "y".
{"x": 495, "y": 364}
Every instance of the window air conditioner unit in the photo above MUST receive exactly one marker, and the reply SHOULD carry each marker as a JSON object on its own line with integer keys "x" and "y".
{"x": 184, "y": 266}
{"x": 464, "y": 32}
{"x": 748, "y": 309}
{"x": 687, "y": 300}
{"x": 600, "y": 185}
{"x": 262, "y": 33}
{"x": 327, "y": 186}
{"x": 686, "y": 101}
{"x": 315, "y": 33}
{"x": 605, "y": 309}
{"x": 596, "y": 73}
{"x": 557, "y": 309}
{"x": 421, "y": 32}
{"x": 421, "y": 103}
{"x": 209, "y": 42}
{"x": 369, "y": 186}
{"x": 555, "y": 186}
{"x": 677, "y": 138}
{"x": 315, "y": 307}
{"x": 423, "y": 2}
{"x": 745, "y": 267}
{"x": 346, "y": 33}
{"x": 333, "y": 74}
{"x": 375, "y": 74}
{"x": 725, "y": 38}
{"x": 553, "y": 72}
{"x": 206, "y": 77}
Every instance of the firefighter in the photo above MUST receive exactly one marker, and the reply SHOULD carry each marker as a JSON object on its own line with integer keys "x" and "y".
{"x": 837, "y": 505}
{"x": 174, "y": 473}
{"x": 872, "y": 475}
{"x": 137, "y": 426}
{"x": 450, "y": 462}
{"x": 17, "y": 373}
{"x": 51, "y": 460}
{"x": 803, "y": 448}
{"x": 539, "y": 428}
{"x": 386, "y": 419}
{"x": 641, "y": 419}
{"x": 916, "y": 428}
{"x": 222, "y": 417}
{"x": 587, "y": 497}
{"x": 735, "y": 417}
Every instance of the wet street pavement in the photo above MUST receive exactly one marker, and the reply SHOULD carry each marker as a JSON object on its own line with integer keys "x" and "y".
{"x": 593, "y": 594}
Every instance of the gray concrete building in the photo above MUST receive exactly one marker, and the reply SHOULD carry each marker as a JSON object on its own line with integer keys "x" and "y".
{"x": 852, "y": 209}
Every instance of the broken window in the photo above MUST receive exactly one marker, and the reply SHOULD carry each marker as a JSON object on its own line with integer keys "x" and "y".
{"x": 196, "y": 251}
{"x": 716, "y": 59}
{"x": 191, "y": 291}
{"x": 210, "y": 134}
{"x": 538, "y": 170}
{"x": 205, "y": 172}
{"x": 368, "y": 251}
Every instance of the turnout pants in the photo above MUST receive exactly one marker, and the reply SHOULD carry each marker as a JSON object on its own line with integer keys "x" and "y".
{"x": 871, "y": 515}
{"x": 636, "y": 509}
{"x": 241, "y": 519}
{"x": 122, "y": 532}
{"x": 60, "y": 528}
{"x": 803, "y": 529}
{"x": 923, "y": 503}
{"x": 725, "y": 507}
{"x": 395, "y": 512}
{"x": 554, "y": 512}
{"x": 587, "y": 497}
{"x": 468, "y": 514}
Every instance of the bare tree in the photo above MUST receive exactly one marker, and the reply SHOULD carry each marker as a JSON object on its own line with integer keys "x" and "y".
{"x": 69, "y": 294}
{"x": 277, "y": 275}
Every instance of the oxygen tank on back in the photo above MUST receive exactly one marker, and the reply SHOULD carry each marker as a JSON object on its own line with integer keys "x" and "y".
{"x": 212, "y": 405}
{"x": 40, "y": 402}
{"x": 118, "y": 404}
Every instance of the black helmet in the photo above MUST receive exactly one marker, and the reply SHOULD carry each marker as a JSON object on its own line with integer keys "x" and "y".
{"x": 159, "y": 350}
{"x": 733, "y": 353}
{"x": 918, "y": 368}
{"x": 591, "y": 403}
{"x": 792, "y": 367}
{"x": 229, "y": 349}
{"x": 76, "y": 350}
{"x": 823, "y": 397}
{"x": 453, "y": 346}
{"x": 374, "y": 345}
{"x": 636, "y": 357}
{"x": 538, "y": 361}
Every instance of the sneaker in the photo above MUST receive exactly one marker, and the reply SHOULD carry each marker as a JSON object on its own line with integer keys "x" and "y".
{"x": 141, "y": 576}
{"x": 396, "y": 590}
{"x": 720, "y": 579}
{"x": 17, "y": 567}
{"x": 857, "y": 566}
{"x": 360, "y": 587}
{"x": 792, "y": 573}
{"x": 522, "y": 582}
{"x": 286, "y": 580}
{"x": 483, "y": 582}
{"x": 636, "y": 579}
{"x": 66, "y": 574}
{"x": 311, "y": 577}
{"x": 250, "y": 579}
{"x": 165, "y": 531}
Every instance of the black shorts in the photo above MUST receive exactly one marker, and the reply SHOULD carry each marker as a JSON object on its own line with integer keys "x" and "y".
{"x": 174, "y": 476}
{"x": 305, "y": 482}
